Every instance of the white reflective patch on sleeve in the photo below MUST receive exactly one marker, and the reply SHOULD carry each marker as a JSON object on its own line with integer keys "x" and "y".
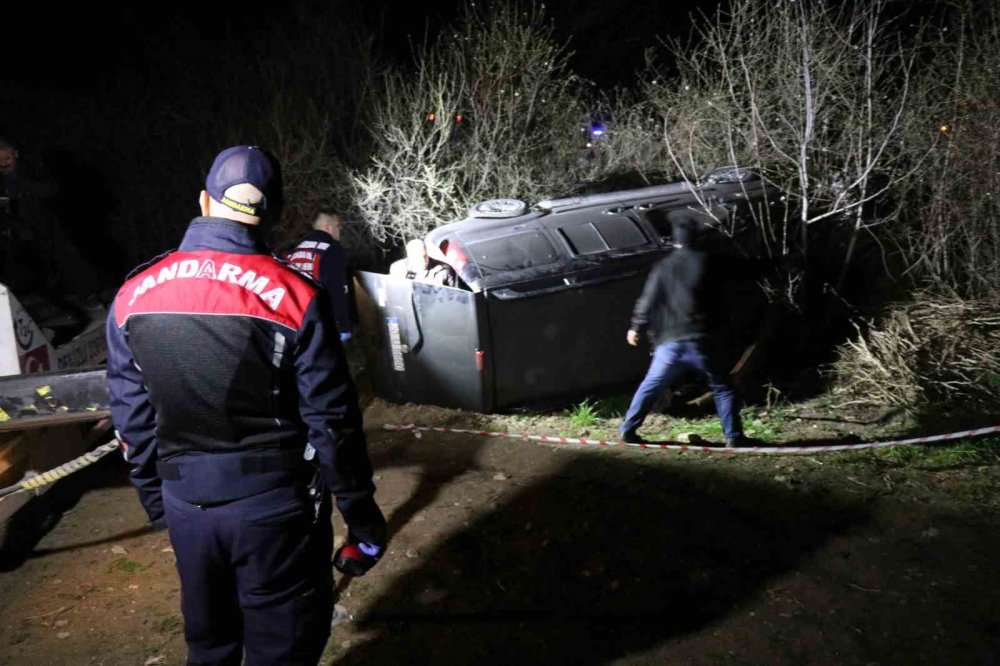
{"x": 322, "y": 246}
{"x": 279, "y": 348}
{"x": 309, "y": 453}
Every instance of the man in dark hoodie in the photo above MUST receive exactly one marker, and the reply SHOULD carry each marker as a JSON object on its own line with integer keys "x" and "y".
{"x": 676, "y": 307}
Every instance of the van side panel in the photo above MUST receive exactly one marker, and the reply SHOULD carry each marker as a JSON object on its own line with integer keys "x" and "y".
{"x": 421, "y": 342}
{"x": 566, "y": 343}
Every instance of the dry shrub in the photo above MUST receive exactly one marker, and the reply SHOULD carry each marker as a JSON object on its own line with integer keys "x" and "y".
{"x": 940, "y": 351}
{"x": 490, "y": 110}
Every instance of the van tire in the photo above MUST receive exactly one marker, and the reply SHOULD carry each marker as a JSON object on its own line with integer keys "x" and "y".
{"x": 498, "y": 208}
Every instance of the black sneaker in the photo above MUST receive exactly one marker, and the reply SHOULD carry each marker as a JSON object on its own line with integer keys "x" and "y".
{"x": 738, "y": 441}
{"x": 632, "y": 437}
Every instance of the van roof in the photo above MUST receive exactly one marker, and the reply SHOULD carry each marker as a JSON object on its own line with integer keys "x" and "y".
{"x": 542, "y": 218}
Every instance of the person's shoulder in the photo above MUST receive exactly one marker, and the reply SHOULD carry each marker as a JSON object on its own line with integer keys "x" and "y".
{"x": 138, "y": 273}
{"x": 287, "y": 270}
{"x": 149, "y": 263}
{"x": 689, "y": 255}
{"x": 664, "y": 262}
{"x": 332, "y": 246}
{"x": 285, "y": 248}
{"x": 398, "y": 268}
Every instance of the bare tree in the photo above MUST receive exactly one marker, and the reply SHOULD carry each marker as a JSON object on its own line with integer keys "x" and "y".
{"x": 811, "y": 95}
{"x": 952, "y": 237}
{"x": 491, "y": 110}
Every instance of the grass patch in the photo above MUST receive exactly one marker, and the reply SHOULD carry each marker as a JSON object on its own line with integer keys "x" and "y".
{"x": 709, "y": 428}
{"x": 767, "y": 426}
{"x": 964, "y": 453}
{"x": 585, "y": 414}
{"x": 125, "y": 565}
{"x": 599, "y": 418}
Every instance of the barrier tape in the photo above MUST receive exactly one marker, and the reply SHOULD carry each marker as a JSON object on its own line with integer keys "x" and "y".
{"x": 769, "y": 450}
{"x": 91, "y": 457}
{"x": 62, "y": 471}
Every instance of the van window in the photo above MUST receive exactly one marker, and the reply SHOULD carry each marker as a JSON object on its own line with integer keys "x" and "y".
{"x": 583, "y": 239}
{"x": 620, "y": 233}
{"x": 658, "y": 218}
{"x": 609, "y": 233}
{"x": 512, "y": 253}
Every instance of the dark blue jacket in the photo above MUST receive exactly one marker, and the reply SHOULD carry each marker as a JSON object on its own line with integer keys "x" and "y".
{"x": 320, "y": 256}
{"x": 225, "y": 370}
{"x": 676, "y": 300}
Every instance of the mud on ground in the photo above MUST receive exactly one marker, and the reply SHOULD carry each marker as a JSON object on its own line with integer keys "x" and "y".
{"x": 513, "y": 552}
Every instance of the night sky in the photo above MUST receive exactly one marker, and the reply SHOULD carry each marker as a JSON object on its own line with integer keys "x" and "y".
{"x": 79, "y": 48}
{"x": 134, "y": 70}
{"x": 62, "y": 62}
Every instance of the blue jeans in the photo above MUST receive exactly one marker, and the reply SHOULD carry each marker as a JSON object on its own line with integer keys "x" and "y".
{"x": 670, "y": 361}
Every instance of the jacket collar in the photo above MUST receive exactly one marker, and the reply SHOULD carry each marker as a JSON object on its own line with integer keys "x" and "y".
{"x": 222, "y": 235}
{"x": 320, "y": 236}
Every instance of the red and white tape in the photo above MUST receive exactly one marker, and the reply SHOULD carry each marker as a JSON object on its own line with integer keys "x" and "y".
{"x": 830, "y": 448}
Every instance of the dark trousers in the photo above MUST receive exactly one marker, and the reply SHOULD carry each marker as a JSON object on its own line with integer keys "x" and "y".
{"x": 255, "y": 574}
{"x": 670, "y": 361}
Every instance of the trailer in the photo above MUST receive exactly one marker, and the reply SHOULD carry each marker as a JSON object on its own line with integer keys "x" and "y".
{"x": 53, "y": 405}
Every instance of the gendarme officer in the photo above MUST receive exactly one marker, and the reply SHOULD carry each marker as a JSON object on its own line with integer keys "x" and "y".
{"x": 231, "y": 395}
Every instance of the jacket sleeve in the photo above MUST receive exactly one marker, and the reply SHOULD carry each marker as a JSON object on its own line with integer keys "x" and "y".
{"x": 328, "y": 404}
{"x": 333, "y": 276}
{"x": 646, "y": 300}
{"x": 134, "y": 419}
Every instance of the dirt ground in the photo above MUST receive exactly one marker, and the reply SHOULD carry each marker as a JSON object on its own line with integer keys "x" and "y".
{"x": 513, "y": 552}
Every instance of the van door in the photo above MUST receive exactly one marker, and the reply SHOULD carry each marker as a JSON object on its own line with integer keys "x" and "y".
{"x": 424, "y": 343}
{"x": 555, "y": 344}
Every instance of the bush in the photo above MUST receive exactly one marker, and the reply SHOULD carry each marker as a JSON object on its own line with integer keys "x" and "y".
{"x": 934, "y": 352}
{"x": 490, "y": 111}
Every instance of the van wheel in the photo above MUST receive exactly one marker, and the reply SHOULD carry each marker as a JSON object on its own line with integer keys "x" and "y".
{"x": 498, "y": 208}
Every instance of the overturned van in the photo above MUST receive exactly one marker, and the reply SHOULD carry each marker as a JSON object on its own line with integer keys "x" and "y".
{"x": 549, "y": 294}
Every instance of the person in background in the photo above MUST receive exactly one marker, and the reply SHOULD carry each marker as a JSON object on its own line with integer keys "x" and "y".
{"x": 234, "y": 406}
{"x": 39, "y": 261}
{"x": 677, "y": 307}
{"x": 27, "y": 226}
{"x": 419, "y": 266}
{"x": 321, "y": 256}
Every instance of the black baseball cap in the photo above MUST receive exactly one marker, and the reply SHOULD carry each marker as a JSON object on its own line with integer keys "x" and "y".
{"x": 244, "y": 164}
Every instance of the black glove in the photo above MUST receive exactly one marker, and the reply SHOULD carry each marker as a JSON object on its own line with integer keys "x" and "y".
{"x": 355, "y": 559}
